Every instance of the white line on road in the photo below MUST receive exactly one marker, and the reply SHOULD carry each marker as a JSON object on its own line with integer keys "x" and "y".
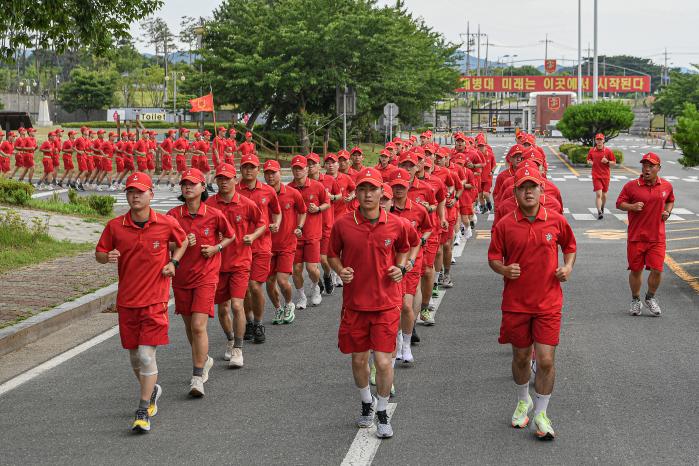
{"x": 48, "y": 193}
{"x": 365, "y": 444}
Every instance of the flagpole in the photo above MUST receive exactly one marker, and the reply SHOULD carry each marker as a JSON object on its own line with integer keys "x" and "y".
{"x": 213, "y": 107}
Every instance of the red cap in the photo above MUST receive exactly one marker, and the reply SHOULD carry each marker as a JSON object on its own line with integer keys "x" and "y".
{"x": 248, "y": 134}
{"x": 480, "y": 140}
{"x": 221, "y": 128}
{"x": 197, "y": 134}
{"x": 414, "y": 138}
{"x": 459, "y": 137}
{"x": 31, "y": 130}
{"x": 401, "y": 177}
{"x": 11, "y": 134}
{"x": 52, "y": 133}
{"x": 112, "y": 134}
{"x": 59, "y": 130}
{"x": 313, "y": 157}
{"x": 272, "y": 166}
{"x": 232, "y": 131}
{"x": 428, "y": 162}
{"x": 169, "y": 132}
{"x": 184, "y": 130}
{"x": 599, "y": 136}
{"x": 356, "y": 149}
{"x": 101, "y": 131}
{"x": 385, "y": 153}
{"x": 343, "y": 154}
{"x": 419, "y": 152}
{"x": 72, "y": 133}
{"x": 331, "y": 156}
{"x": 92, "y": 131}
{"x": 299, "y": 161}
{"x": 427, "y": 134}
{"x": 651, "y": 157}
{"x": 123, "y": 134}
{"x": 521, "y": 135}
{"x": 369, "y": 175}
{"x": 390, "y": 145}
{"x": 193, "y": 175}
{"x": 527, "y": 173}
{"x": 397, "y": 140}
{"x": 250, "y": 159}
{"x": 140, "y": 181}
{"x": 206, "y": 132}
{"x": 408, "y": 157}
{"x": 226, "y": 170}
{"x": 387, "y": 191}
{"x": 82, "y": 129}
{"x": 428, "y": 148}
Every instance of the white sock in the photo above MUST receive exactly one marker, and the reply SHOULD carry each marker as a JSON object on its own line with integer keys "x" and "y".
{"x": 365, "y": 393}
{"x": 522, "y": 391}
{"x": 541, "y": 402}
{"x": 393, "y": 362}
{"x": 382, "y": 403}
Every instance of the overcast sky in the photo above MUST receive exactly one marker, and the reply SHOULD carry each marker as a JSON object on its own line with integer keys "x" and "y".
{"x": 518, "y": 27}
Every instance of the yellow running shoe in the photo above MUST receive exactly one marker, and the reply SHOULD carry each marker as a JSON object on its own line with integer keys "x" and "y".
{"x": 520, "y": 418}
{"x": 542, "y": 427}
{"x": 141, "y": 422}
{"x": 153, "y": 406}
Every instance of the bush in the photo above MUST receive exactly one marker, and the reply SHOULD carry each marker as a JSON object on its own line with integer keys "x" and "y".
{"x": 100, "y": 205}
{"x": 686, "y": 135}
{"x": 564, "y": 148}
{"x": 15, "y": 192}
{"x": 578, "y": 154}
{"x": 582, "y": 121}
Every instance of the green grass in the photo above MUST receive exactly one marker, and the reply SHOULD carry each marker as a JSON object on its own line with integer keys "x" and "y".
{"x": 55, "y": 204}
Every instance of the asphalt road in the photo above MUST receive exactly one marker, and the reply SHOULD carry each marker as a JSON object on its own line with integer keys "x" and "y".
{"x": 625, "y": 392}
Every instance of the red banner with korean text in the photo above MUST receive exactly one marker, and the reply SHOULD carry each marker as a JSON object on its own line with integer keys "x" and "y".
{"x": 552, "y": 84}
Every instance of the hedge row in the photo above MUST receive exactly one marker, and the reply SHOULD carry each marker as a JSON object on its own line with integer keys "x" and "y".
{"x": 578, "y": 154}
{"x": 15, "y": 192}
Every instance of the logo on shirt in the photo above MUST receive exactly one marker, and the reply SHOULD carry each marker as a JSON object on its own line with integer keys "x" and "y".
{"x": 264, "y": 200}
{"x": 549, "y": 236}
{"x": 238, "y": 218}
{"x": 206, "y": 232}
{"x": 287, "y": 206}
{"x": 387, "y": 242}
{"x": 413, "y": 223}
{"x": 310, "y": 197}
{"x": 664, "y": 193}
{"x": 156, "y": 244}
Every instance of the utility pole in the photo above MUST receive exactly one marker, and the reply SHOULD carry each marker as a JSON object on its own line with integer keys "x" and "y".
{"x": 478, "y": 63}
{"x": 546, "y": 52}
{"x": 579, "y": 51}
{"x": 468, "y": 50}
{"x": 664, "y": 79}
{"x": 487, "y": 43}
{"x": 595, "y": 67}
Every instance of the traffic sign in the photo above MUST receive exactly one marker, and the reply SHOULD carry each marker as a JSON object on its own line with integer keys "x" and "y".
{"x": 390, "y": 110}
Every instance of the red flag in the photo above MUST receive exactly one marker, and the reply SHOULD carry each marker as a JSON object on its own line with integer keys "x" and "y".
{"x": 202, "y": 104}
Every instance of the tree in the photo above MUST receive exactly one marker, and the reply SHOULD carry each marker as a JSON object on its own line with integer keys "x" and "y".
{"x": 159, "y": 35}
{"x": 92, "y": 24}
{"x": 683, "y": 88}
{"x": 582, "y": 121}
{"x": 87, "y": 90}
{"x": 686, "y": 135}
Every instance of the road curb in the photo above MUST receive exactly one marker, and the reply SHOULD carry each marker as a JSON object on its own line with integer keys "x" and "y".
{"x": 45, "y": 323}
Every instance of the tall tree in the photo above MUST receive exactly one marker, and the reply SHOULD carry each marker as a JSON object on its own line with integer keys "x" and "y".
{"x": 682, "y": 88}
{"x": 87, "y": 90}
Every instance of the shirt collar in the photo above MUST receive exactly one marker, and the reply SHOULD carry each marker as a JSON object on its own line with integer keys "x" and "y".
{"x": 184, "y": 212}
{"x": 542, "y": 214}
{"x": 234, "y": 200}
{"x": 642, "y": 182}
{"x": 128, "y": 221}
{"x": 359, "y": 218}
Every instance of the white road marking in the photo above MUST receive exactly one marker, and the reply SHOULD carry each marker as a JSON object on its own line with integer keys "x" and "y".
{"x": 48, "y": 193}
{"x": 621, "y": 217}
{"x": 365, "y": 444}
{"x": 584, "y": 217}
{"x": 681, "y": 211}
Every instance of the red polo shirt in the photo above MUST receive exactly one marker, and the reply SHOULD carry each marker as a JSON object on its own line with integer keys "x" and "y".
{"x": 202, "y": 146}
{"x": 500, "y": 181}
{"x": 534, "y": 246}
{"x": 181, "y": 144}
{"x": 167, "y": 145}
{"x": 208, "y": 223}
{"x": 386, "y": 173}
{"x": 144, "y": 253}
{"x": 67, "y": 147}
{"x": 46, "y": 148}
{"x": 347, "y": 187}
{"x": 292, "y": 205}
{"x": 369, "y": 249}
{"x": 140, "y": 146}
{"x": 244, "y": 216}
{"x": 647, "y": 225}
{"x": 6, "y": 148}
{"x": 265, "y": 198}
{"x": 332, "y": 187}
{"x": 247, "y": 148}
{"x": 599, "y": 169}
{"x": 219, "y": 149}
{"x": 314, "y": 192}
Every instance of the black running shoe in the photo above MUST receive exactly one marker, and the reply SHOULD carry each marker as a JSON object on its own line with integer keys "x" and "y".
{"x": 328, "y": 284}
{"x": 249, "y": 331}
{"x": 473, "y": 225}
{"x": 259, "y": 333}
{"x": 600, "y": 215}
{"x": 321, "y": 286}
{"x": 414, "y": 338}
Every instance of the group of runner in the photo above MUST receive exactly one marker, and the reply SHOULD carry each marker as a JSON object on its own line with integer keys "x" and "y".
{"x": 383, "y": 233}
{"x": 101, "y": 160}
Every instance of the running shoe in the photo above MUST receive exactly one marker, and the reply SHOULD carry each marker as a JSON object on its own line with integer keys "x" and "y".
{"x": 229, "y": 350}
{"x": 302, "y": 301}
{"x": 440, "y": 280}
{"x": 196, "y": 387}
{"x": 393, "y": 391}
{"x": 463, "y": 229}
{"x": 321, "y": 286}
{"x": 259, "y": 334}
{"x": 366, "y": 419}
{"x": 316, "y": 298}
{"x": 372, "y": 373}
{"x": 207, "y": 367}
{"x": 236, "y": 358}
{"x": 541, "y": 425}
{"x": 278, "y": 316}
{"x": 414, "y": 338}
{"x": 653, "y": 306}
{"x": 636, "y": 307}
{"x": 407, "y": 354}
{"x": 153, "y": 405}
{"x": 328, "y": 283}
{"x": 141, "y": 422}
{"x": 453, "y": 261}
{"x": 289, "y": 315}
{"x": 383, "y": 426}
{"x": 435, "y": 291}
{"x": 447, "y": 282}
{"x": 249, "y": 331}
{"x": 600, "y": 215}
{"x": 520, "y": 418}
{"x": 426, "y": 317}
{"x": 457, "y": 240}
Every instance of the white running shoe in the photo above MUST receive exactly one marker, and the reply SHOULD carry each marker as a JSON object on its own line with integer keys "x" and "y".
{"x": 407, "y": 353}
{"x": 113, "y": 187}
{"x": 236, "y": 358}
{"x": 636, "y": 307}
{"x": 196, "y": 387}
{"x": 207, "y": 367}
{"x": 469, "y": 233}
{"x": 653, "y": 306}
{"x": 316, "y": 298}
{"x": 229, "y": 350}
{"x": 301, "y": 300}
{"x": 99, "y": 188}
{"x": 457, "y": 240}
{"x": 453, "y": 261}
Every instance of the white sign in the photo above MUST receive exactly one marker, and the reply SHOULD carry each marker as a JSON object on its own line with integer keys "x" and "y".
{"x": 390, "y": 110}
{"x": 152, "y": 117}
{"x": 112, "y": 114}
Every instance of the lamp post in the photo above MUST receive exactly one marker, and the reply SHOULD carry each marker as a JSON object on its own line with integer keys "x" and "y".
{"x": 175, "y": 76}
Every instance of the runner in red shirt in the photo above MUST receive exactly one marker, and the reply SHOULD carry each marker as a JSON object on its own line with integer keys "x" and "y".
{"x": 514, "y": 156}
{"x": 194, "y": 285}
{"x": 265, "y": 198}
{"x": 357, "y": 158}
{"x": 455, "y": 190}
{"x": 180, "y": 149}
{"x": 649, "y": 201}
{"x": 80, "y": 145}
{"x": 46, "y": 149}
{"x": 368, "y": 250}
{"x": 152, "y": 147}
{"x": 248, "y": 225}
{"x": 165, "y": 149}
{"x": 218, "y": 147}
{"x": 601, "y": 159}
{"x": 283, "y": 243}
{"x": 67, "y": 150}
{"x": 441, "y": 194}
{"x": 345, "y": 182}
{"x": 6, "y": 149}
{"x": 247, "y": 147}
{"x": 487, "y": 174}
{"x": 28, "y": 148}
{"x": 231, "y": 147}
{"x": 17, "y": 142}
{"x": 198, "y": 150}
{"x": 334, "y": 196}
{"x": 120, "y": 158}
{"x": 56, "y": 154}
{"x": 384, "y": 166}
{"x": 308, "y": 246}
{"x": 343, "y": 163}
{"x": 524, "y": 249}
{"x": 129, "y": 164}
{"x": 138, "y": 242}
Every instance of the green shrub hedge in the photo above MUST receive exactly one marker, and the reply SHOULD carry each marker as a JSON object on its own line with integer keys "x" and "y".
{"x": 15, "y": 192}
{"x": 578, "y": 154}
{"x": 102, "y": 205}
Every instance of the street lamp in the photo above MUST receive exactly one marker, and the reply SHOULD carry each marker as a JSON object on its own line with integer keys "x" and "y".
{"x": 175, "y": 76}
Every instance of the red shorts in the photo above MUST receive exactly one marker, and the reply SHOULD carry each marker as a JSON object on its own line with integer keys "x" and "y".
{"x": 181, "y": 164}
{"x": 261, "y": 262}
{"x": 82, "y": 163}
{"x": 19, "y": 160}
{"x": 151, "y": 162}
{"x": 128, "y": 164}
{"x": 28, "y": 160}
{"x": 48, "y": 164}
{"x": 106, "y": 164}
{"x": 466, "y": 205}
{"x": 411, "y": 280}
{"x": 446, "y": 236}
{"x": 166, "y": 163}
{"x": 119, "y": 164}
{"x": 361, "y": 331}
{"x": 324, "y": 244}
{"x": 230, "y": 159}
{"x": 486, "y": 184}
{"x": 4, "y": 164}
{"x": 281, "y": 262}
{"x": 90, "y": 162}
{"x": 307, "y": 251}
{"x": 56, "y": 161}
{"x": 641, "y": 253}
{"x": 142, "y": 163}
{"x": 522, "y": 329}
{"x": 195, "y": 300}
{"x": 600, "y": 184}
{"x": 68, "y": 162}
{"x": 232, "y": 285}
{"x": 204, "y": 165}
{"x": 143, "y": 325}
{"x": 429, "y": 253}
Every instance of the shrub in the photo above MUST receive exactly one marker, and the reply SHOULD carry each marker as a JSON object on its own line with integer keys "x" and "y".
{"x": 578, "y": 154}
{"x": 100, "y": 205}
{"x": 582, "y": 121}
{"x": 686, "y": 135}
{"x": 15, "y": 192}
